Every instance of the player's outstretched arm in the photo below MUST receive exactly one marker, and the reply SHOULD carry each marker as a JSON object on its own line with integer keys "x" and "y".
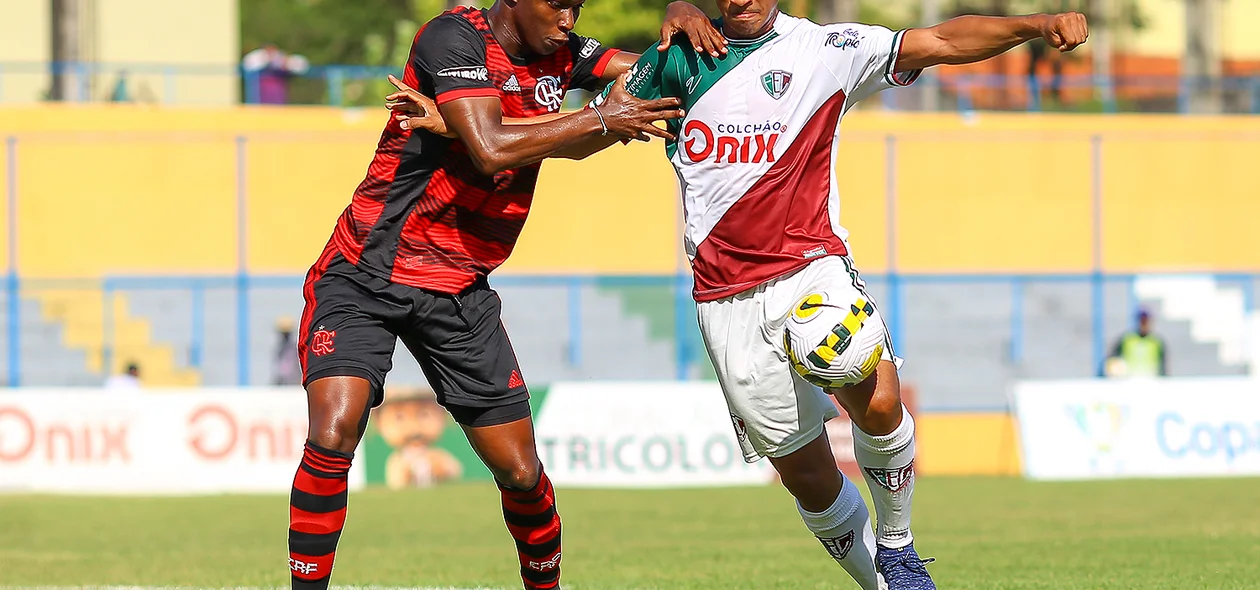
{"x": 495, "y": 146}
{"x": 968, "y": 39}
{"x": 414, "y": 110}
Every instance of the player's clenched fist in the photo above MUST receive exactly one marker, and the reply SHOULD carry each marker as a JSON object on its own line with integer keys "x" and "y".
{"x": 1065, "y": 31}
{"x": 628, "y": 116}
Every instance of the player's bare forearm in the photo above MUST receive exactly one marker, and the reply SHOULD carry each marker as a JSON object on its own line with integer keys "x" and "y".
{"x": 577, "y": 151}
{"x": 495, "y": 146}
{"x": 969, "y": 39}
{"x": 547, "y": 118}
{"x": 622, "y": 62}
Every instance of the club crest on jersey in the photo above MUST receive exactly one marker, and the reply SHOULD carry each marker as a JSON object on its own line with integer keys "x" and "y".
{"x": 892, "y": 480}
{"x": 776, "y": 83}
{"x": 322, "y": 342}
{"x": 548, "y": 92}
{"x": 844, "y": 39}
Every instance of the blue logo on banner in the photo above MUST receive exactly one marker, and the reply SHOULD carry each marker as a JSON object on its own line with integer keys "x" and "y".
{"x": 1178, "y": 438}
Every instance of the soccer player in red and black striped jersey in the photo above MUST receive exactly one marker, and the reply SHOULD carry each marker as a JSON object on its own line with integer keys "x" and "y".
{"x": 409, "y": 258}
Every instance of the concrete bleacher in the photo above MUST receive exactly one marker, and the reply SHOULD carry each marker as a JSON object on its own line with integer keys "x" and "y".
{"x": 957, "y": 339}
{"x": 45, "y": 360}
{"x": 612, "y": 344}
{"x": 956, "y": 336}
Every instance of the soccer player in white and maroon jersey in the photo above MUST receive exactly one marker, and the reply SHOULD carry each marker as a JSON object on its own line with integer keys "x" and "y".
{"x": 755, "y": 155}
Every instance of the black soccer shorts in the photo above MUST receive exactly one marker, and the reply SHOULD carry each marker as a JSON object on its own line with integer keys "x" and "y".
{"x": 352, "y": 321}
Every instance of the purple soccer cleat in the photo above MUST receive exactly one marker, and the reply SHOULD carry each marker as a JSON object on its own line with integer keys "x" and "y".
{"x": 903, "y": 569}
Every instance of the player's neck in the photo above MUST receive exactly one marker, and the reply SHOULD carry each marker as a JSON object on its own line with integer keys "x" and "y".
{"x": 504, "y": 30}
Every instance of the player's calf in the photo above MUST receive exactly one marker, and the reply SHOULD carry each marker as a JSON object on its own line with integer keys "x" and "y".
{"x": 317, "y": 502}
{"x": 832, "y": 509}
{"x": 529, "y": 502}
{"x": 844, "y": 528}
{"x": 883, "y": 444}
{"x": 532, "y": 520}
{"x": 317, "y": 513}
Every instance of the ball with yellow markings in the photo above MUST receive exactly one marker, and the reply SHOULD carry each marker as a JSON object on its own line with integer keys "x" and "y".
{"x": 834, "y": 342}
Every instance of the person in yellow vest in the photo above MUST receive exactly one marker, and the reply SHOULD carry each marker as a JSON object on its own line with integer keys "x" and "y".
{"x": 1138, "y": 353}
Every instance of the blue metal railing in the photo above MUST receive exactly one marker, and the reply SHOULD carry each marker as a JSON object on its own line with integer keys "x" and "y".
{"x": 689, "y": 355}
{"x": 1112, "y": 92}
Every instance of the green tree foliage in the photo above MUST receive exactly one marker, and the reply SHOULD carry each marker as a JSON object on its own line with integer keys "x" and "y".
{"x": 379, "y": 33}
{"x": 633, "y": 25}
{"x": 369, "y": 31}
{"x": 364, "y": 32}
{"x": 325, "y": 31}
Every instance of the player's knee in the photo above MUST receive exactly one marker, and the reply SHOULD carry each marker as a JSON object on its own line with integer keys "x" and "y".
{"x": 337, "y": 435}
{"x": 521, "y": 476}
{"x": 885, "y": 405}
{"x": 338, "y": 409}
{"x": 883, "y": 414}
{"x": 816, "y": 476}
{"x": 814, "y": 486}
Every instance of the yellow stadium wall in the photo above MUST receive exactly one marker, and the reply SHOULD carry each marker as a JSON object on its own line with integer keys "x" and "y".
{"x": 966, "y": 444}
{"x": 124, "y": 34}
{"x": 155, "y": 192}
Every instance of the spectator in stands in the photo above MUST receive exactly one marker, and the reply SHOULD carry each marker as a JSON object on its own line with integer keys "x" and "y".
{"x": 287, "y": 370}
{"x": 267, "y": 72}
{"x": 121, "y": 93}
{"x": 128, "y": 380}
{"x": 1138, "y": 353}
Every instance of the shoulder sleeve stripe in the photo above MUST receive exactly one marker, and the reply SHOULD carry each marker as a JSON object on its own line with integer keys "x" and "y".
{"x": 602, "y": 64}
{"x": 891, "y": 75}
{"x": 459, "y": 93}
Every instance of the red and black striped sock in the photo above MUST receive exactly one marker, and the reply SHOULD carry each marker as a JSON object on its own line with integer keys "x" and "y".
{"x": 317, "y": 511}
{"x": 531, "y": 518}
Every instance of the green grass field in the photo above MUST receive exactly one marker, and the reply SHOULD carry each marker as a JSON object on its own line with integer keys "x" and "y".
{"x": 986, "y": 533}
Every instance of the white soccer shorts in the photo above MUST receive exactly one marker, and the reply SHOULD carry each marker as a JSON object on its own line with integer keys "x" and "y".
{"x": 774, "y": 410}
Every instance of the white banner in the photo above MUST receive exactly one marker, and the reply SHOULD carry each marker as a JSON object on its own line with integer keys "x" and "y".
{"x": 1139, "y": 427}
{"x": 642, "y": 434}
{"x": 153, "y": 442}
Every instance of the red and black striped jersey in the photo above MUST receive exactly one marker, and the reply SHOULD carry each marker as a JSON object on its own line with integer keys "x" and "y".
{"x": 424, "y": 216}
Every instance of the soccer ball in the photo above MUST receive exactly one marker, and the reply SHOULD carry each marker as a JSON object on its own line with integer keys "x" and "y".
{"x": 833, "y": 343}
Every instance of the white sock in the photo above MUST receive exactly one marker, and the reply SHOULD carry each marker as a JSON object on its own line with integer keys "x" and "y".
{"x": 845, "y": 530}
{"x": 888, "y": 465}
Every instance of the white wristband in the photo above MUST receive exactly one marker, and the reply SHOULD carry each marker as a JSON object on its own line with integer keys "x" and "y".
{"x": 601, "y": 120}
